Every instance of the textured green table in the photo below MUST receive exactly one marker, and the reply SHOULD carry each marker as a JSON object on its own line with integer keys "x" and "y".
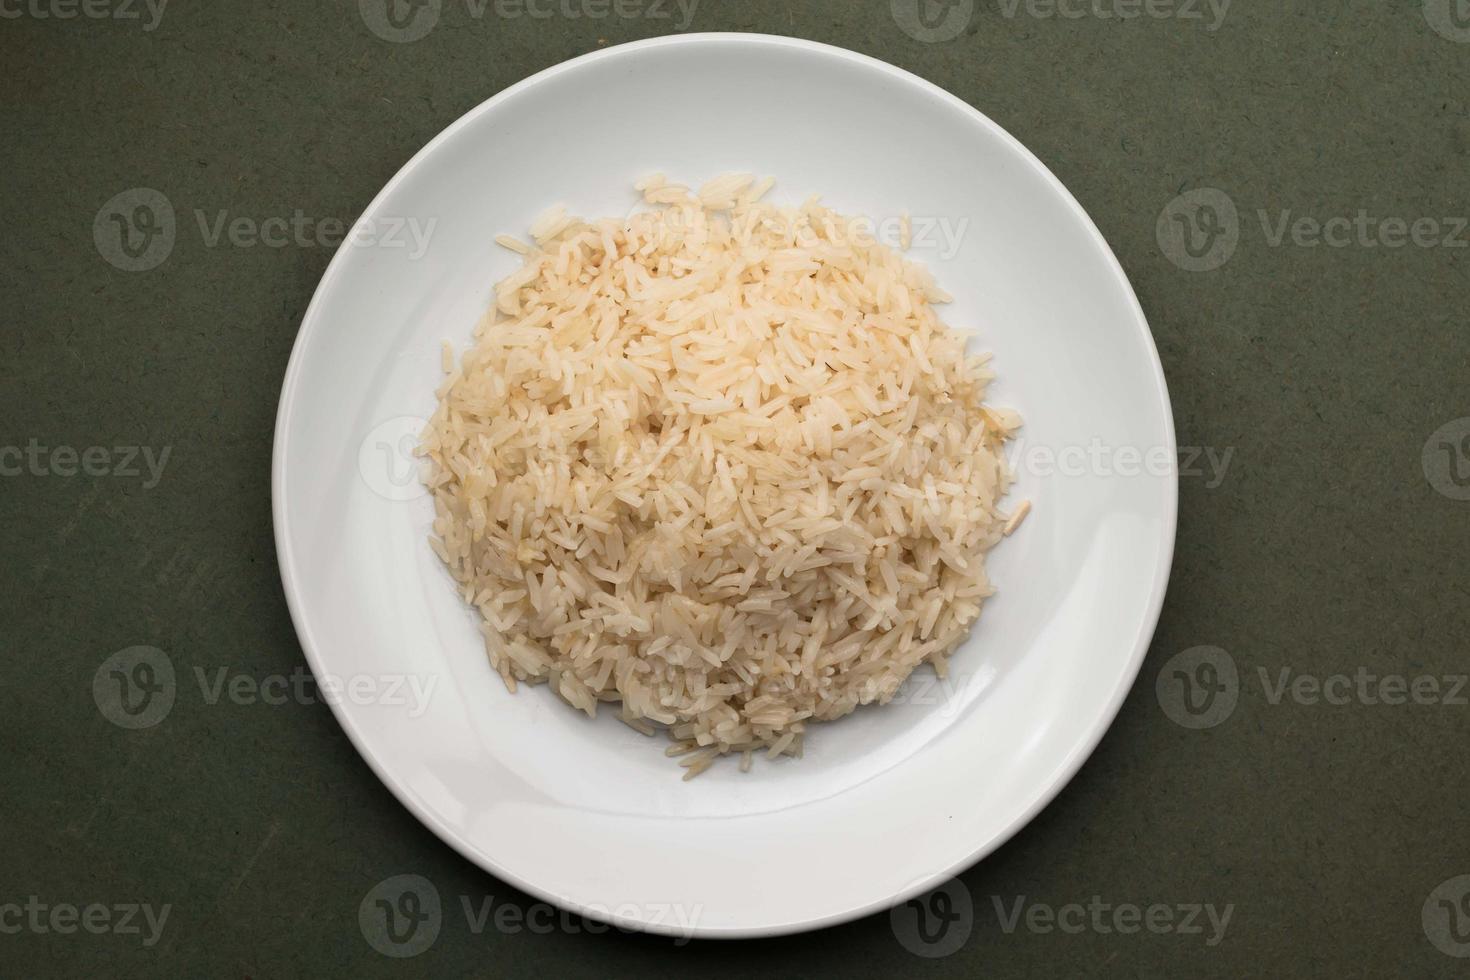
{"x": 1283, "y": 793}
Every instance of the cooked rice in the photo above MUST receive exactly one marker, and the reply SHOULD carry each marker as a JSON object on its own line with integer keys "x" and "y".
{"x": 719, "y": 462}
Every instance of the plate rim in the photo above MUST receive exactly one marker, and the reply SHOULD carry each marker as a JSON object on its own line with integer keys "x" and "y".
{"x": 1064, "y": 773}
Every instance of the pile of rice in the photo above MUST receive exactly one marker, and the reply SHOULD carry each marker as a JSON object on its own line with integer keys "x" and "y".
{"x": 719, "y": 463}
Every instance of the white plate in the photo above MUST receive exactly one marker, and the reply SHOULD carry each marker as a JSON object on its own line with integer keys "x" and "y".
{"x": 887, "y": 802}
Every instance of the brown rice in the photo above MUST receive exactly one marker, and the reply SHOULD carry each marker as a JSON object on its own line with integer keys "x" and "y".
{"x": 718, "y": 463}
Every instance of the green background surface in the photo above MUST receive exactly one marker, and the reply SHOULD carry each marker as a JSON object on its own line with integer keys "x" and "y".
{"x": 1326, "y": 548}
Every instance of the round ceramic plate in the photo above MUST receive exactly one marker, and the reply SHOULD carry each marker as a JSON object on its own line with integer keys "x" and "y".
{"x": 885, "y": 803}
